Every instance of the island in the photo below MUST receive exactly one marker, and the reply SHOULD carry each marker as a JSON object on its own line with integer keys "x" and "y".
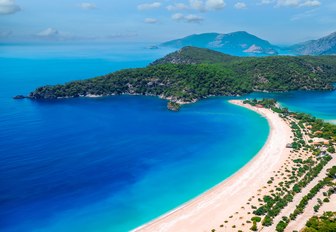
{"x": 19, "y": 97}
{"x": 173, "y": 106}
{"x": 191, "y": 74}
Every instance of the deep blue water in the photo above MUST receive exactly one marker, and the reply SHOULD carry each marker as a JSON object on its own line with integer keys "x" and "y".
{"x": 107, "y": 164}
{"x": 112, "y": 164}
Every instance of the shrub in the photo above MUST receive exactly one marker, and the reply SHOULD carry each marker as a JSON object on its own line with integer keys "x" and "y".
{"x": 326, "y": 199}
{"x": 268, "y": 221}
{"x": 316, "y": 208}
{"x": 260, "y": 211}
{"x": 281, "y": 226}
{"x": 296, "y": 188}
{"x": 254, "y": 227}
{"x": 256, "y": 219}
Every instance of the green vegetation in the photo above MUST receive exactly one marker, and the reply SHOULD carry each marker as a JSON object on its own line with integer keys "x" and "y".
{"x": 173, "y": 106}
{"x": 275, "y": 203}
{"x": 331, "y": 149}
{"x": 304, "y": 170}
{"x": 267, "y": 221}
{"x": 194, "y": 73}
{"x": 281, "y": 226}
{"x": 194, "y": 55}
{"x": 256, "y": 219}
{"x": 304, "y": 201}
{"x": 254, "y": 226}
{"x": 325, "y": 223}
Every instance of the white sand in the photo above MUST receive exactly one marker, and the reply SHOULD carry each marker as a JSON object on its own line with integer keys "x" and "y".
{"x": 210, "y": 209}
{"x": 332, "y": 121}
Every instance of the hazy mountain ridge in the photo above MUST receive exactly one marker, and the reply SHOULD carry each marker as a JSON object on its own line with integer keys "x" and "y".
{"x": 238, "y": 43}
{"x": 242, "y": 43}
{"x": 323, "y": 46}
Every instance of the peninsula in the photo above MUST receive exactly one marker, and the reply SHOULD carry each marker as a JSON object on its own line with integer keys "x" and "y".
{"x": 191, "y": 74}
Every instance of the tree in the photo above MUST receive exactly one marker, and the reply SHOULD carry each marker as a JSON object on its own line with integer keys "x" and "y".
{"x": 331, "y": 149}
{"x": 267, "y": 221}
{"x": 281, "y": 226}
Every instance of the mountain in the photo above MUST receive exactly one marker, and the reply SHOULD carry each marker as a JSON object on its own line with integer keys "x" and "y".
{"x": 322, "y": 46}
{"x": 238, "y": 43}
{"x": 194, "y": 55}
{"x": 193, "y": 73}
{"x": 242, "y": 43}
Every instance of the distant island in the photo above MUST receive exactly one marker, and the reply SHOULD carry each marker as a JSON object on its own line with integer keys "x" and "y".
{"x": 242, "y": 43}
{"x": 191, "y": 74}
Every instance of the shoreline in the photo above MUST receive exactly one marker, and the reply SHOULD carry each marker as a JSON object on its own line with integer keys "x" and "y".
{"x": 211, "y": 208}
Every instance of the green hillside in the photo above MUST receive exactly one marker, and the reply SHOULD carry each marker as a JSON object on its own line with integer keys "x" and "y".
{"x": 195, "y": 73}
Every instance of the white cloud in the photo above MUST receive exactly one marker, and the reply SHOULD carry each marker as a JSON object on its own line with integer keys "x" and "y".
{"x": 87, "y": 6}
{"x": 187, "y": 18}
{"x": 193, "y": 18}
{"x": 288, "y": 2}
{"x": 197, "y": 4}
{"x": 8, "y": 7}
{"x": 149, "y": 6}
{"x": 49, "y": 32}
{"x": 311, "y": 3}
{"x": 177, "y": 6}
{"x": 298, "y": 3}
{"x": 151, "y": 20}
{"x": 240, "y": 5}
{"x": 206, "y": 5}
{"x": 177, "y": 16}
{"x": 215, "y": 4}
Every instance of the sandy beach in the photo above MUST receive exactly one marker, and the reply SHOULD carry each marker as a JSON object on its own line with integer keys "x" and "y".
{"x": 229, "y": 200}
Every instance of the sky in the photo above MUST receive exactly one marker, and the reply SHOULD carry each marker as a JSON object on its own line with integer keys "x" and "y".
{"x": 278, "y": 21}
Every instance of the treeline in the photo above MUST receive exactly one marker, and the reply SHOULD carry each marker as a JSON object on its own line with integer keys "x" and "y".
{"x": 329, "y": 180}
{"x": 276, "y": 202}
{"x": 326, "y": 223}
{"x": 303, "y": 172}
{"x": 195, "y": 73}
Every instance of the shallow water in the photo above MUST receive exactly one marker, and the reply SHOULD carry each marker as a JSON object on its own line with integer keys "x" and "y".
{"x": 321, "y": 104}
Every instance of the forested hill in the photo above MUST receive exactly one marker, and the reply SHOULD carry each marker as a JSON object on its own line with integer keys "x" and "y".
{"x": 193, "y": 73}
{"x": 194, "y": 55}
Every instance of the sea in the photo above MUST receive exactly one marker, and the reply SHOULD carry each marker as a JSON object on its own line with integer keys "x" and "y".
{"x": 114, "y": 163}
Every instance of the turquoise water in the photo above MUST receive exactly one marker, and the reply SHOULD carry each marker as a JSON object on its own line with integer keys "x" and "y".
{"x": 107, "y": 164}
{"x": 321, "y": 104}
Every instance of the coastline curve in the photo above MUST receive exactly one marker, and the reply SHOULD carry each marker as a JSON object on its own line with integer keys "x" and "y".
{"x": 211, "y": 208}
